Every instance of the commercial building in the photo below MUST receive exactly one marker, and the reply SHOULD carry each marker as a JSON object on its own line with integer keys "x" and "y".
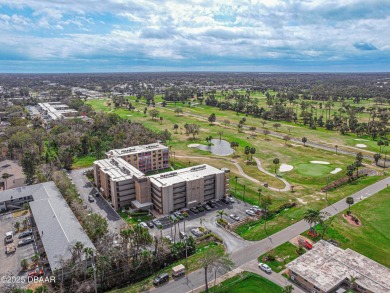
{"x": 145, "y": 158}
{"x": 327, "y": 268}
{"x": 11, "y": 175}
{"x": 187, "y": 187}
{"x": 121, "y": 182}
{"x": 55, "y": 111}
{"x": 55, "y": 227}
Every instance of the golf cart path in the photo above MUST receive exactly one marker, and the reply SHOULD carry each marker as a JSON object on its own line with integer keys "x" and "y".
{"x": 242, "y": 173}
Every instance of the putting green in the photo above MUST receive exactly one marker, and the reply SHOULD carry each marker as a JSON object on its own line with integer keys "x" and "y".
{"x": 314, "y": 170}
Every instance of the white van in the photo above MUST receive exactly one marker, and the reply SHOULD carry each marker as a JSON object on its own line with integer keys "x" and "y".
{"x": 178, "y": 271}
{"x": 9, "y": 237}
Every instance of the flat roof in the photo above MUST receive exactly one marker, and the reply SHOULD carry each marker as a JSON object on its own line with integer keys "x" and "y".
{"x": 326, "y": 266}
{"x": 186, "y": 174}
{"x": 58, "y": 227}
{"x": 119, "y": 169}
{"x": 136, "y": 149}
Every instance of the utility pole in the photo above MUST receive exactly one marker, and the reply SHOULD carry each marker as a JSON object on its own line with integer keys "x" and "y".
{"x": 243, "y": 196}
{"x": 326, "y": 191}
{"x": 187, "y": 270}
{"x": 94, "y": 277}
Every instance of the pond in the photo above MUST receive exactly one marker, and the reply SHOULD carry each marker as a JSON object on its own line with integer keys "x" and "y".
{"x": 218, "y": 147}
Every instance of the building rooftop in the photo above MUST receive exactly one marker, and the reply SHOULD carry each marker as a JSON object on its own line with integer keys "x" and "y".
{"x": 326, "y": 266}
{"x": 136, "y": 149}
{"x": 58, "y": 227}
{"x": 15, "y": 171}
{"x": 119, "y": 169}
{"x": 56, "y": 110}
{"x": 186, "y": 174}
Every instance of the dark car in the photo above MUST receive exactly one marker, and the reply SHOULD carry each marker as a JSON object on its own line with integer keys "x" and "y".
{"x": 200, "y": 209}
{"x": 194, "y": 210}
{"x": 211, "y": 204}
{"x": 161, "y": 279}
{"x": 206, "y": 207}
{"x": 225, "y": 200}
{"x": 25, "y": 241}
{"x": 25, "y": 233}
{"x": 91, "y": 199}
{"x": 150, "y": 224}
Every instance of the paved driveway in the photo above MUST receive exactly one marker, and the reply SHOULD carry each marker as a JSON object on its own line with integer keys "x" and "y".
{"x": 100, "y": 205}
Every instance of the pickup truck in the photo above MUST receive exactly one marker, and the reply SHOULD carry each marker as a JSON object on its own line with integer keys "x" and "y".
{"x": 10, "y": 248}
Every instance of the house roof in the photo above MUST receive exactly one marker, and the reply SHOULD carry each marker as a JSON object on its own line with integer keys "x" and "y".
{"x": 326, "y": 266}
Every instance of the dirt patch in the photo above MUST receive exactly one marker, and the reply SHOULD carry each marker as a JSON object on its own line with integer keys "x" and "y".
{"x": 350, "y": 221}
{"x": 294, "y": 241}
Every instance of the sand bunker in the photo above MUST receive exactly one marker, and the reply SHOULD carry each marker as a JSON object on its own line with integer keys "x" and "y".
{"x": 193, "y": 145}
{"x": 361, "y": 139}
{"x": 335, "y": 171}
{"x": 320, "y": 162}
{"x": 361, "y": 145}
{"x": 285, "y": 168}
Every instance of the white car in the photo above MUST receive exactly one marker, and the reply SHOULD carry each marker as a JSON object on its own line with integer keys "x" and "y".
{"x": 250, "y": 213}
{"x": 231, "y": 200}
{"x": 235, "y": 217}
{"x": 265, "y": 268}
{"x": 256, "y": 208}
{"x": 169, "y": 238}
{"x": 143, "y": 225}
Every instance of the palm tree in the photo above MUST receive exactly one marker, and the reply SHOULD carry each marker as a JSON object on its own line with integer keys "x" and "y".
{"x": 349, "y": 200}
{"x": 175, "y": 221}
{"x": 221, "y": 213}
{"x": 276, "y": 162}
{"x": 259, "y": 192}
{"x": 78, "y": 248}
{"x": 304, "y": 140}
{"x": 5, "y": 176}
{"x": 24, "y": 264}
{"x": 312, "y": 217}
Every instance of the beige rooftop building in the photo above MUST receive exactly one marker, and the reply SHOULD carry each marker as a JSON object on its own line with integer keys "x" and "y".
{"x": 327, "y": 268}
{"x": 123, "y": 184}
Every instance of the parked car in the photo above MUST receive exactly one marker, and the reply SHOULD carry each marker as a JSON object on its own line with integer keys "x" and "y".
{"x": 143, "y": 225}
{"x": 178, "y": 215}
{"x": 38, "y": 272}
{"x": 196, "y": 232}
{"x": 235, "y": 217}
{"x": 9, "y": 237}
{"x": 150, "y": 224}
{"x": 25, "y": 233}
{"x": 90, "y": 198}
{"x": 225, "y": 200}
{"x": 206, "y": 207}
{"x": 256, "y": 208}
{"x": 10, "y": 248}
{"x": 84, "y": 172}
{"x": 200, "y": 209}
{"x": 25, "y": 241}
{"x": 211, "y": 204}
{"x": 178, "y": 271}
{"x": 169, "y": 238}
{"x": 156, "y": 222}
{"x": 194, "y": 210}
{"x": 161, "y": 279}
{"x": 231, "y": 200}
{"x": 182, "y": 235}
{"x": 250, "y": 213}
{"x": 265, "y": 268}
{"x": 306, "y": 244}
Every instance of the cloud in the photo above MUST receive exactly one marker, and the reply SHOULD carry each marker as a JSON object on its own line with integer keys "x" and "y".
{"x": 363, "y": 46}
{"x": 197, "y": 33}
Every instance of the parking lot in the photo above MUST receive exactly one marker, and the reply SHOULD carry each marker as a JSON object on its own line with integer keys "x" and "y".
{"x": 207, "y": 219}
{"x": 10, "y": 263}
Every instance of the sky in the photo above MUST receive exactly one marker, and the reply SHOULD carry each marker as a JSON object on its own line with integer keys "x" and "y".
{"x": 50, "y": 36}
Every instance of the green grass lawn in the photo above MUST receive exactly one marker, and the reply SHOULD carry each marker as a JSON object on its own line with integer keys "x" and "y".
{"x": 84, "y": 161}
{"x": 135, "y": 218}
{"x": 372, "y": 239}
{"x": 247, "y": 282}
{"x": 284, "y": 254}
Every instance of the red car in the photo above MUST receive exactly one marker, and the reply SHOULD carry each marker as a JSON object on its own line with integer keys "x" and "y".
{"x": 36, "y": 273}
{"x": 305, "y": 244}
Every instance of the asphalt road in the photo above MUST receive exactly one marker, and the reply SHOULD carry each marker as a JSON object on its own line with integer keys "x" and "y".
{"x": 100, "y": 205}
{"x": 251, "y": 252}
